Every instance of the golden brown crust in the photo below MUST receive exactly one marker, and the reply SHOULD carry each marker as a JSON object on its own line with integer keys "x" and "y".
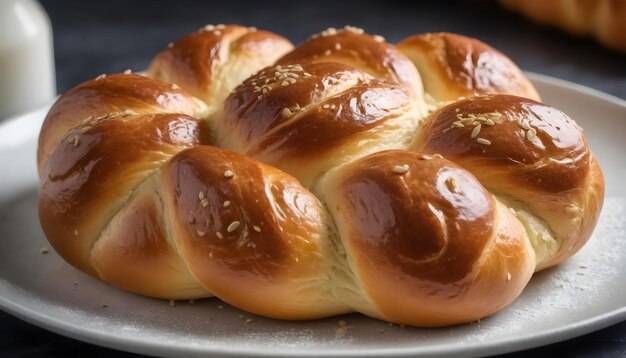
{"x": 211, "y": 62}
{"x": 306, "y": 119}
{"x": 132, "y": 193}
{"x": 258, "y": 227}
{"x": 352, "y": 47}
{"x": 96, "y": 166}
{"x": 527, "y": 152}
{"x": 429, "y": 243}
{"x": 105, "y": 95}
{"x": 454, "y": 66}
{"x": 554, "y": 159}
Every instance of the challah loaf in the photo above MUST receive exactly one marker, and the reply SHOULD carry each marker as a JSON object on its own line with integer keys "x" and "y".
{"x": 334, "y": 190}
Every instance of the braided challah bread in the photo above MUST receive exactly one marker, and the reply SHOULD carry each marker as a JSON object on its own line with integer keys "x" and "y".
{"x": 325, "y": 179}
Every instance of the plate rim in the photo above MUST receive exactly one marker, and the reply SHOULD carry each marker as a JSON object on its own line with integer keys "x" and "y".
{"x": 155, "y": 347}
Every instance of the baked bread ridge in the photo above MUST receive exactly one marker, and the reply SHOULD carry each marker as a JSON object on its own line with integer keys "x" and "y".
{"x": 454, "y": 66}
{"x": 334, "y": 191}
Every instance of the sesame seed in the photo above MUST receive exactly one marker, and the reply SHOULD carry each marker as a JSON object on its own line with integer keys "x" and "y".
{"x": 327, "y": 52}
{"x": 525, "y": 124}
{"x": 354, "y": 29}
{"x": 76, "y": 140}
{"x": 128, "y": 71}
{"x": 229, "y": 174}
{"x": 201, "y": 195}
{"x": 44, "y": 251}
{"x": 379, "y": 38}
{"x": 490, "y": 122}
{"x": 426, "y": 157}
{"x": 475, "y": 131}
{"x": 457, "y": 110}
{"x": 451, "y": 184}
{"x": 531, "y": 134}
{"x": 286, "y": 112}
{"x": 226, "y": 203}
{"x": 211, "y": 254}
{"x": 128, "y": 112}
{"x": 457, "y": 124}
{"x": 329, "y": 32}
{"x": 233, "y": 226}
{"x": 326, "y": 106}
{"x": 174, "y": 86}
{"x": 208, "y": 27}
{"x": 508, "y": 276}
{"x": 101, "y": 77}
{"x": 256, "y": 228}
{"x": 401, "y": 169}
{"x": 219, "y": 235}
{"x": 76, "y": 232}
{"x": 284, "y": 83}
{"x": 438, "y": 156}
{"x": 170, "y": 45}
{"x": 200, "y": 233}
{"x": 483, "y": 141}
{"x": 337, "y": 46}
{"x": 204, "y": 203}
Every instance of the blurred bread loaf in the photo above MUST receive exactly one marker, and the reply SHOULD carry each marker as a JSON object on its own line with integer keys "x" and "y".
{"x": 603, "y": 19}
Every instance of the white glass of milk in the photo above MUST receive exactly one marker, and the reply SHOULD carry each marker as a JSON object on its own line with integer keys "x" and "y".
{"x": 27, "y": 78}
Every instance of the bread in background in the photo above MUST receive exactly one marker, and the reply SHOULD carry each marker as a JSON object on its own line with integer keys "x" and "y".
{"x": 603, "y": 19}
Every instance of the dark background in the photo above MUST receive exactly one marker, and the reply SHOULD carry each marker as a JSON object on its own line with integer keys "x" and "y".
{"x": 110, "y": 36}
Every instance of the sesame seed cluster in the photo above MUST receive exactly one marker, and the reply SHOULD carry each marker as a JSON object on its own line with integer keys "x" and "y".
{"x": 279, "y": 76}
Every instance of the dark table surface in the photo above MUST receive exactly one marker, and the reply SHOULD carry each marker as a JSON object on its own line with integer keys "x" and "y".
{"x": 110, "y": 36}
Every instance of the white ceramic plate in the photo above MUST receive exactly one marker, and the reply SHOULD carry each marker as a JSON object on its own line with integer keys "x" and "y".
{"x": 584, "y": 294}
